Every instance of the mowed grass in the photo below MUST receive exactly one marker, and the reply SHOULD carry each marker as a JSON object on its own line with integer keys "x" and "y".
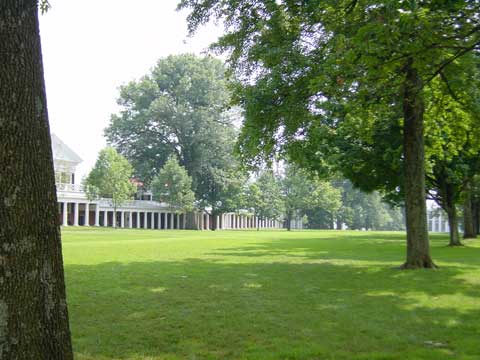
{"x": 144, "y": 294}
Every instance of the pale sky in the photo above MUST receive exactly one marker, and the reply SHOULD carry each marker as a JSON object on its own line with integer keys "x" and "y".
{"x": 91, "y": 47}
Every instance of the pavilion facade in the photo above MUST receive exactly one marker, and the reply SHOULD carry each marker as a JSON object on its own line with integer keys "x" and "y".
{"x": 75, "y": 209}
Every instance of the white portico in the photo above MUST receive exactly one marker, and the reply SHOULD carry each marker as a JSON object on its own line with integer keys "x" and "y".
{"x": 75, "y": 209}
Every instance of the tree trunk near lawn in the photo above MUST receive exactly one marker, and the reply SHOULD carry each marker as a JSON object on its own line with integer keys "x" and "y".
{"x": 214, "y": 220}
{"x": 476, "y": 216}
{"x": 451, "y": 210}
{"x": 33, "y": 308}
{"x": 289, "y": 221}
{"x": 468, "y": 224}
{"x": 339, "y": 224}
{"x": 418, "y": 248}
{"x": 453, "y": 225}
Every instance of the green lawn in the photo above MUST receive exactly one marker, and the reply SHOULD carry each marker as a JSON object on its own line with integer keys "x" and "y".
{"x": 143, "y": 294}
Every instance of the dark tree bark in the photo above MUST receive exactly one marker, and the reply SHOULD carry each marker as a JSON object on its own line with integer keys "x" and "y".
{"x": 289, "y": 221}
{"x": 33, "y": 308}
{"x": 214, "y": 219}
{"x": 468, "y": 223}
{"x": 447, "y": 200}
{"x": 453, "y": 225}
{"x": 339, "y": 224}
{"x": 476, "y": 216}
{"x": 418, "y": 248}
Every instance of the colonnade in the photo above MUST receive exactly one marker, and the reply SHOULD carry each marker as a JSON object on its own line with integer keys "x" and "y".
{"x": 90, "y": 214}
{"x": 437, "y": 222}
{"x": 241, "y": 221}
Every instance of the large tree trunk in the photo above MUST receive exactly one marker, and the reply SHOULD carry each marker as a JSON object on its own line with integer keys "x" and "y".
{"x": 453, "y": 225}
{"x": 289, "y": 221}
{"x": 214, "y": 220}
{"x": 418, "y": 248}
{"x": 451, "y": 209}
{"x": 468, "y": 224}
{"x": 476, "y": 216}
{"x": 33, "y": 308}
{"x": 339, "y": 224}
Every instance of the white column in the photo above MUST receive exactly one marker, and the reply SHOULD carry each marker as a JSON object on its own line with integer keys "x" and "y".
{"x": 439, "y": 221}
{"x": 171, "y": 220}
{"x": 178, "y": 221}
{"x": 145, "y": 222}
{"x": 87, "y": 215}
{"x": 97, "y": 215}
{"x": 184, "y": 221}
{"x": 105, "y": 218}
{"x": 138, "y": 220}
{"x": 130, "y": 218}
{"x": 122, "y": 219}
{"x": 75, "y": 214}
{"x": 65, "y": 214}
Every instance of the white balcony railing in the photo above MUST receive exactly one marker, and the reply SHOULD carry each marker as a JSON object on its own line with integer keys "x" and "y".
{"x": 76, "y": 188}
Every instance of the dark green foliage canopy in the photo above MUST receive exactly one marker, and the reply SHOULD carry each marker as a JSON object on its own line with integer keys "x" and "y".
{"x": 173, "y": 186}
{"x": 306, "y": 67}
{"x": 110, "y": 178}
{"x": 264, "y": 196}
{"x": 180, "y": 109}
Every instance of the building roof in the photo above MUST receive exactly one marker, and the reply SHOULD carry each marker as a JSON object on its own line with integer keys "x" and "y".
{"x": 62, "y": 152}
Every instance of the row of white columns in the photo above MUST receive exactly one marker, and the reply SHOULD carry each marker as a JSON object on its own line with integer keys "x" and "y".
{"x": 170, "y": 220}
{"x": 126, "y": 217}
{"x": 437, "y": 223}
{"x": 239, "y": 221}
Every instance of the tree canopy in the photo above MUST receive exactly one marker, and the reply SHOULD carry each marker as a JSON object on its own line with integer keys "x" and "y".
{"x": 264, "y": 196}
{"x": 110, "y": 178}
{"x": 180, "y": 109}
{"x": 173, "y": 185}
{"x": 304, "y": 68}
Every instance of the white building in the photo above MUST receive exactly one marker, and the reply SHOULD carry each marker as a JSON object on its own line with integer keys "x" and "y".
{"x": 437, "y": 220}
{"x": 75, "y": 209}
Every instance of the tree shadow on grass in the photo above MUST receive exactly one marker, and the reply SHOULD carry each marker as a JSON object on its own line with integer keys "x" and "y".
{"x": 363, "y": 246}
{"x": 196, "y": 309}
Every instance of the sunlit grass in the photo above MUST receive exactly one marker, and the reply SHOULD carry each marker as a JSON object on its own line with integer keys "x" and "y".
{"x": 140, "y": 294}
